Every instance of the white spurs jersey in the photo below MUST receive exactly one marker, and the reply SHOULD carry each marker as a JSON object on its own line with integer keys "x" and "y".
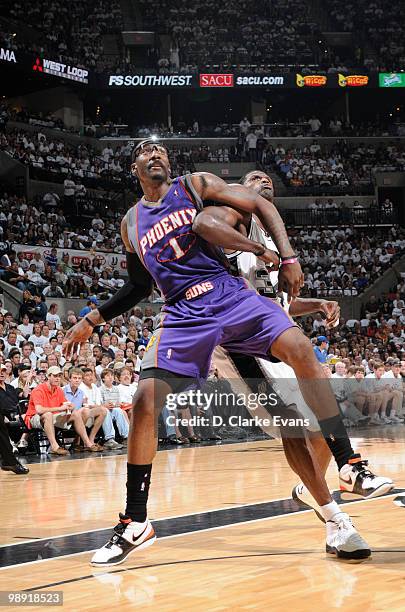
{"x": 283, "y": 377}
{"x": 254, "y": 270}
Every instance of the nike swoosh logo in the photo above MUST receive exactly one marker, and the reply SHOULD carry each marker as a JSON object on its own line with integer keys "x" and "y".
{"x": 348, "y": 481}
{"x": 135, "y": 539}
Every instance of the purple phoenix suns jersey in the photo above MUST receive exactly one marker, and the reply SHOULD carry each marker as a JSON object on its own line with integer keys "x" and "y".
{"x": 180, "y": 262}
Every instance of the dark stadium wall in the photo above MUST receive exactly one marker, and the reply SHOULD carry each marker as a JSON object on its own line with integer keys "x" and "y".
{"x": 62, "y": 102}
{"x": 14, "y": 173}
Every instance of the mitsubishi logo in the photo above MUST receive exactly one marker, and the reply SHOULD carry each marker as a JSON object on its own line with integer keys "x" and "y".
{"x": 38, "y": 65}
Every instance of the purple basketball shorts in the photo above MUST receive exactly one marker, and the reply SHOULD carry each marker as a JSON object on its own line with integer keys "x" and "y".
{"x": 222, "y": 311}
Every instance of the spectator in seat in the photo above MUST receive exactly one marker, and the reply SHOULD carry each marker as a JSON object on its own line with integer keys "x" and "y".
{"x": 53, "y": 290}
{"x": 91, "y": 304}
{"x": 110, "y": 397}
{"x": 126, "y": 388}
{"x": 41, "y": 308}
{"x": 358, "y": 389}
{"x": 394, "y": 391}
{"x": 25, "y": 328}
{"x": 48, "y": 408}
{"x": 145, "y": 337}
{"x": 321, "y": 349}
{"x": 11, "y": 343}
{"x": 39, "y": 263}
{"x": 52, "y": 259}
{"x": 94, "y": 409}
{"x": 8, "y": 403}
{"x": 27, "y": 309}
{"x": 37, "y": 339}
{"x": 15, "y": 276}
{"x": 76, "y": 396}
{"x": 69, "y": 191}
{"x": 25, "y": 381}
{"x": 35, "y": 281}
{"x": 106, "y": 345}
{"x": 52, "y": 315}
{"x": 378, "y": 388}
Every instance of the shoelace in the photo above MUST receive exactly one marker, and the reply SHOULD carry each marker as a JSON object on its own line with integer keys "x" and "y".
{"x": 361, "y": 466}
{"x": 118, "y": 531}
{"x": 344, "y": 522}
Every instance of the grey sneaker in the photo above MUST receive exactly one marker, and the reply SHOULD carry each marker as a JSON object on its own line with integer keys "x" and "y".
{"x": 112, "y": 445}
{"x": 343, "y": 540}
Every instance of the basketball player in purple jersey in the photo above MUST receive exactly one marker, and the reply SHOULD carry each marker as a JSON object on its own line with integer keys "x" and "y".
{"x": 204, "y": 307}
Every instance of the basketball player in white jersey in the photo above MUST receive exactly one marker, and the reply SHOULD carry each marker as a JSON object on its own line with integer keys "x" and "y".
{"x": 354, "y": 478}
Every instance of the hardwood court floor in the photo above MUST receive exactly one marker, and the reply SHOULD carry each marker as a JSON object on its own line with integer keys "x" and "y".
{"x": 233, "y": 547}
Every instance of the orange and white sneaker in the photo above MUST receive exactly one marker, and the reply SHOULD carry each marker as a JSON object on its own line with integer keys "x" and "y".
{"x": 356, "y": 478}
{"x": 128, "y": 536}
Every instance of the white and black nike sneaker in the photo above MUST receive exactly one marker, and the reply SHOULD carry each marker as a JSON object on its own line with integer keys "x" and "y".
{"x": 304, "y": 499}
{"x": 343, "y": 540}
{"x": 356, "y": 478}
{"x": 128, "y": 536}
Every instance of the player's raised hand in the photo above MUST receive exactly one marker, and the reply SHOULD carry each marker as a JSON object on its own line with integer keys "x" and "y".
{"x": 332, "y": 311}
{"x": 78, "y": 334}
{"x": 291, "y": 279}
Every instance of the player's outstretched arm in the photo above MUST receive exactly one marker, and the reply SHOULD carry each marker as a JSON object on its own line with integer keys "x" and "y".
{"x": 216, "y": 224}
{"x": 138, "y": 287}
{"x": 306, "y": 306}
{"x": 211, "y": 187}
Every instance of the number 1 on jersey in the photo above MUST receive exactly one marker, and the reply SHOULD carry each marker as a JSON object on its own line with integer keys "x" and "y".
{"x": 178, "y": 251}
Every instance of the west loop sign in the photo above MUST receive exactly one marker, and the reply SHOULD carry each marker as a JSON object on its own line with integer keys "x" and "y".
{"x": 65, "y": 71}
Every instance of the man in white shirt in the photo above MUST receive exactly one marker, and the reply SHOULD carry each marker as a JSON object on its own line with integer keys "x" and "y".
{"x": 396, "y": 391}
{"x": 251, "y": 142}
{"x": 28, "y": 351}
{"x": 25, "y": 328}
{"x": 244, "y": 125}
{"x": 380, "y": 389}
{"x": 53, "y": 316}
{"x": 34, "y": 278}
{"x": 40, "y": 266}
{"x": 94, "y": 408}
{"x": 116, "y": 281}
{"x": 314, "y": 124}
{"x": 23, "y": 263}
{"x": 37, "y": 338}
{"x": 69, "y": 191}
{"x": 126, "y": 388}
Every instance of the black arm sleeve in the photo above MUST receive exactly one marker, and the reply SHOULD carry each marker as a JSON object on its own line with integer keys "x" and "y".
{"x": 138, "y": 287}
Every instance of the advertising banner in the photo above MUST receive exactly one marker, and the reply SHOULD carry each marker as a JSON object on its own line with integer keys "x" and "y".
{"x": 64, "y": 71}
{"x": 29, "y": 63}
{"x": 116, "y": 261}
{"x": 392, "y": 79}
{"x": 150, "y": 80}
{"x": 7, "y": 55}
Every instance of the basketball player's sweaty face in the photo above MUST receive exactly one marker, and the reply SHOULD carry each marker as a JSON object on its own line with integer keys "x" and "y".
{"x": 152, "y": 163}
{"x": 261, "y": 183}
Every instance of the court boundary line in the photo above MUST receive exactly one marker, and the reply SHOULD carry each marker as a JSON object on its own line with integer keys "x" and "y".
{"x": 163, "y": 518}
{"x": 177, "y": 535}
